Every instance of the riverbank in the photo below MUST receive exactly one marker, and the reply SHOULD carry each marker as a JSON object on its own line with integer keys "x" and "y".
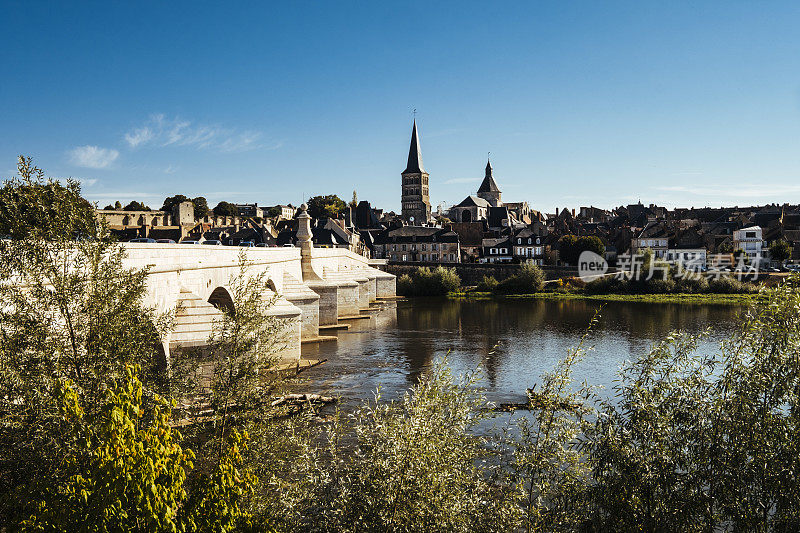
{"x": 679, "y": 298}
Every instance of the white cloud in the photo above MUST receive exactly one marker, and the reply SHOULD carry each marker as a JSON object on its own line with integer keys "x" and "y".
{"x": 161, "y": 131}
{"x": 92, "y": 156}
{"x": 138, "y": 136}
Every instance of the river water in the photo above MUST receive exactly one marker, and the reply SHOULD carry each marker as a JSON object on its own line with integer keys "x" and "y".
{"x": 512, "y": 341}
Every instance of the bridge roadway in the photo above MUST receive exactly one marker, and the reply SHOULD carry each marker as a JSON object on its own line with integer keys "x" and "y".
{"x": 311, "y": 289}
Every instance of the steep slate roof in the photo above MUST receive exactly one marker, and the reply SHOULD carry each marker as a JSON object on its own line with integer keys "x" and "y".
{"x": 497, "y": 215}
{"x": 488, "y": 184}
{"x": 471, "y": 200}
{"x": 421, "y": 234}
{"x": 414, "y": 154}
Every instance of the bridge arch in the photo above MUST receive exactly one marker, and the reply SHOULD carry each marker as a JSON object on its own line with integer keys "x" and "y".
{"x": 222, "y": 299}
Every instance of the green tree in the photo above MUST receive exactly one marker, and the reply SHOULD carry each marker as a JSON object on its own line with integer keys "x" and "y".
{"x": 425, "y": 281}
{"x": 567, "y": 250}
{"x": 354, "y": 201}
{"x": 70, "y": 311}
{"x": 325, "y": 206}
{"x": 172, "y": 201}
{"x": 201, "y": 208}
{"x": 274, "y": 211}
{"x": 780, "y": 251}
{"x": 117, "y": 205}
{"x": 571, "y": 247}
{"x": 136, "y": 206}
{"x": 226, "y": 209}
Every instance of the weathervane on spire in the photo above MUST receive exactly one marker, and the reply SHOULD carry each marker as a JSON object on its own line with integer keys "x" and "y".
{"x": 414, "y": 113}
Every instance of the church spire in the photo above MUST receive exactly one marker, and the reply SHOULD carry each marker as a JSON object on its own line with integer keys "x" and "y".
{"x": 414, "y": 154}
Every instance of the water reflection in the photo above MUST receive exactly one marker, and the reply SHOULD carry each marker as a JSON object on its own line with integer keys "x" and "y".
{"x": 513, "y": 341}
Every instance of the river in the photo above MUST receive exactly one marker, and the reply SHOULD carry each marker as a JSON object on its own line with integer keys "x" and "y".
{"x": 512, "y": 341}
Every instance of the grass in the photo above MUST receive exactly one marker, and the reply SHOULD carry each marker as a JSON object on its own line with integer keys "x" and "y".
{"x": 697, "y": 299}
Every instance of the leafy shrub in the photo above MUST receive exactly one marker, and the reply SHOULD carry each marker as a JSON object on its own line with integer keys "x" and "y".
{"x": 691, "y": 284}
{"x": 729, "y": 285}
{"x": 126, "y": 470}
{"x": 428, "y": 282}
{"x": 411, "y": 465}
{"x": 487, "y": 284}
{"x": 404, "y": 285}
{"x": 528, "y": 280}
{"x": 606, "y": 285}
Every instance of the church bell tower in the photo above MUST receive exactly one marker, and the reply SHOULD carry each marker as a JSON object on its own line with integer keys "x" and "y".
{"x": 416, "y": 204}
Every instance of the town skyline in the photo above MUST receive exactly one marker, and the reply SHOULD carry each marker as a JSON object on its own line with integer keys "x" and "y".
{"x": 591, "y": 105}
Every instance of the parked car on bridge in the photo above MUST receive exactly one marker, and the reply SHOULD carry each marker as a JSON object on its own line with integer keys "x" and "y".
{"x": 213, "y": 243}
{"x": 247, "y": 244}
{"x": 143, "y": 239}
{"x": 165, "y": 241}
{"x": 190, "y": 242}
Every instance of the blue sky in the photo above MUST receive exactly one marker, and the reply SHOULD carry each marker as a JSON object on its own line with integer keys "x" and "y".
{"x": 603, "y": 103}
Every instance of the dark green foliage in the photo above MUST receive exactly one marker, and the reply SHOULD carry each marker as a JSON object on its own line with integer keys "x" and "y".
{"x": 570, "y": 247}
{"x": 424, "y": 281}
{"x": 201, "y": 208}
{"x": 691, "y": 284}
{"x": 528, "y": 280}
{"x": 274, "y": 211}
{"x": 172, "y": 201}
{"x": 200, "y": 204}
{"x": 136, "y": 206}
{"x": 780, "y": 251}
{"x": 226, "y": 209}
{"x": 325, "y": 206}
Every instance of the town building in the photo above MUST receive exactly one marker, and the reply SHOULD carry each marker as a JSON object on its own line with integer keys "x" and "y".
{"x": 408, "y": 244}
{"x": 750, "y": 240}
{"x": 528, "y": 245}
{"x": 498, "y": 250}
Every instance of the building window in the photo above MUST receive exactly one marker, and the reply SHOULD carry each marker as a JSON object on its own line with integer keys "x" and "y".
{"x": 451, "y": 257}
{"x": 424, "y": 247}
{"x": 519, "y": 241}
{"x": 404, "y": 249}
{"x": 405, "y": 257}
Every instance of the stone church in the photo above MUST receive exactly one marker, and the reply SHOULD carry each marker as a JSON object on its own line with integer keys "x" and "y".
{"x": 487, "y": 205}
{"x": 416, "y": 202}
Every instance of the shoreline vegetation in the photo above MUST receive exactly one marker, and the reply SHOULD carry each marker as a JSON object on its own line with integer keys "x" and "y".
{"x": 673, "y": 298}
{"x": 669, "y": 286}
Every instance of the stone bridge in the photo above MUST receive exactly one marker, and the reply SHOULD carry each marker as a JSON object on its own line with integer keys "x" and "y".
{"x": 313, "y": 288}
